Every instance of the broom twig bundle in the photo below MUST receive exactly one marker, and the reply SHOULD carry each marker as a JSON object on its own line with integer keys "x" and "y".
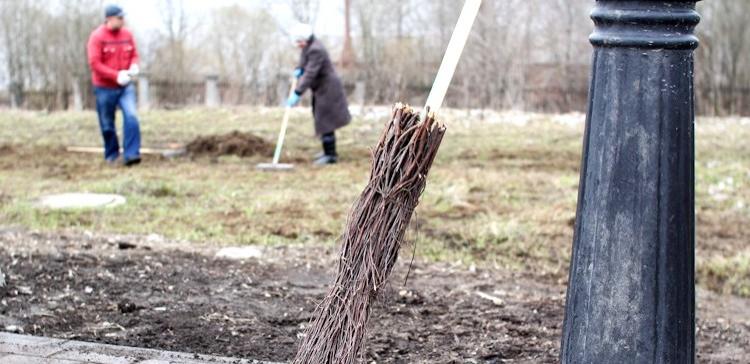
{"x": 374, "y": 234}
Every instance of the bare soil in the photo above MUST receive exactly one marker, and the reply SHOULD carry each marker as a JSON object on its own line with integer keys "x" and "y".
{"x": 148, "y": 292}
{"x": 235, "y": 143}
{"x": 6, "y": 149}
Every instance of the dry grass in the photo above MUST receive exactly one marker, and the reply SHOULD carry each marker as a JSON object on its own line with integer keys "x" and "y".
{"x": 502, "y": 191}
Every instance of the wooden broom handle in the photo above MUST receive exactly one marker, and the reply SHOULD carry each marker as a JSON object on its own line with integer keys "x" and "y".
{"x": 452, "y": 56}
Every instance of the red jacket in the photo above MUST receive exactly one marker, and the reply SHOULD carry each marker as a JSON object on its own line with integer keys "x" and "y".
{"x": 109, "y": 53}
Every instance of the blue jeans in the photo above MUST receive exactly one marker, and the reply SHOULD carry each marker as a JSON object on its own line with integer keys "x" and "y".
{"x": 107, "y": 101}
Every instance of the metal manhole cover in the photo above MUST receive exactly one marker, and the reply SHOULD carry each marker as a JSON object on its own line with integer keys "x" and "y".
{"x": 80, "y": 201}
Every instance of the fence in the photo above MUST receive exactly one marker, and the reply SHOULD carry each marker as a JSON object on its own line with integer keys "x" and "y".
{"x": 213, "y": 92}
{"x": 723, "y": 101}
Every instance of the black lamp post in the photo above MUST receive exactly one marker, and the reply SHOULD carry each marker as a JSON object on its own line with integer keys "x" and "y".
{"x": 631, "y": 295}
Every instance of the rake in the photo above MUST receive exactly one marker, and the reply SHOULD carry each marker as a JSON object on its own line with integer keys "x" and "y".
{"x": 275, "y": 165}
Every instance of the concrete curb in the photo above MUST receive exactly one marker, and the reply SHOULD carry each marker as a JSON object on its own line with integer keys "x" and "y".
{"x": 20, "y": 349}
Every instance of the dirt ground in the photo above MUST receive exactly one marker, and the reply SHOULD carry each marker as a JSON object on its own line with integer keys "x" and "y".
{"x": 502, "y": 197}
{"x": 148, "y": 292}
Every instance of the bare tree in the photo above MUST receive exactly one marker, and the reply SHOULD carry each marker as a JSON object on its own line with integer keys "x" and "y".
{"x": 240, "y": 39}
{"x": 385, "y": 37}
{"x": 566, "y": 28}
{"x": 81, "y": 17}
{"x": 44, "y": 51}
{"x": 348, "y": 58}
{"x": 171, "y": 61}
{"x": 524, "y": 54}
{"x": 14, "y": 16}
{"x": 723, "y": 72}
{"x": 492, "y": 69}
{"x": 305, "y": 11}
{"x": 174, "y": 20}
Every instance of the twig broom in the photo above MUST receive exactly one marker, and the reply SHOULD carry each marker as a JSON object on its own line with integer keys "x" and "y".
{"x": 377, "y": 223}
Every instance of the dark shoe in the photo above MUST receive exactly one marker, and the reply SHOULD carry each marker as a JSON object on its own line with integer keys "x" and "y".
{"x": 326, "y": 159}
{"x": 132, "y": 162}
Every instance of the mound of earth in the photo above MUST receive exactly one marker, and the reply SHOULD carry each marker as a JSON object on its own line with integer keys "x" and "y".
{"x": 6, "y": 149}
{"x": 235, "y": 143}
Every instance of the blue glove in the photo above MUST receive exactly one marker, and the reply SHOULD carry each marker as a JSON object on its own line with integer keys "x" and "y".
{"x": 298, "y": 72}
{"x": 293, "y": 100}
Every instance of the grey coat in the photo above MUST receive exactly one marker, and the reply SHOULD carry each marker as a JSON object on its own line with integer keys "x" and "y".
{"x": 330, "y": 108}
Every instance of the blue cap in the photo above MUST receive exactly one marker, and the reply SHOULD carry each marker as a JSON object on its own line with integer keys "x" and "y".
{"x": 113, "y": 10}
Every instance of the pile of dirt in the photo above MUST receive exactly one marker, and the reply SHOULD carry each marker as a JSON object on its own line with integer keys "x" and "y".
{"x": 234, "y": 143}
{"x": 6, "y": 149}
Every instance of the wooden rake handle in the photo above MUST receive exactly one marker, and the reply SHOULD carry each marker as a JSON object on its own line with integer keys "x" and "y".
{"x": 284, "y": 125}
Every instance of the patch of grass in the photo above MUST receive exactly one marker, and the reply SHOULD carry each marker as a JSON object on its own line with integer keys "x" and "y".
{"x": 500, "y": 193}
{"x": 728, "y": 275}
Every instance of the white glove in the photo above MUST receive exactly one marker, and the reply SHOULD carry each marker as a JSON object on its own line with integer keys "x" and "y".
{"x": 134, "y": 70}
{"x": 123, "y": 78}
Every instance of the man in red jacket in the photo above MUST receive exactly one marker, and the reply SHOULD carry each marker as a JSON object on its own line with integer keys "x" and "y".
{"x": 114, "y": 63}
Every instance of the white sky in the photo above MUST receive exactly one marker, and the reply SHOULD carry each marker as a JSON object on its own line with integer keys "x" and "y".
{"x": 143, "y": 15}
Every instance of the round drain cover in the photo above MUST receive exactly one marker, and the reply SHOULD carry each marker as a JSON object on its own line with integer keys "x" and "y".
{"x": 80, "y": 201}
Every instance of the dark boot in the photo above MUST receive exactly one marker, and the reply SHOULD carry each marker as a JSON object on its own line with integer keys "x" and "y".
{"x": 326, "y": 159}
{"x": 132, "y": 162}
{"x": 329, "y": 150}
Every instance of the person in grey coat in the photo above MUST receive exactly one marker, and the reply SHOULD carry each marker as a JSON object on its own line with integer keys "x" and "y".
{"x": 330, "y": 108}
